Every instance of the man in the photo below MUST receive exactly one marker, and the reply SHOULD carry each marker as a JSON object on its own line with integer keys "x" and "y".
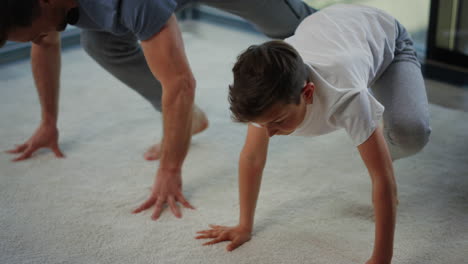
{"x": 139, "y": 42}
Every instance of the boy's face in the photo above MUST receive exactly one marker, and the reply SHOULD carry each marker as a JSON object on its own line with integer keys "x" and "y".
{"x": 283, "y": 119}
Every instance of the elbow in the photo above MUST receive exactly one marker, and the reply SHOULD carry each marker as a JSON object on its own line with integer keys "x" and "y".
{"x": 182, "y": 88}
{"x": 253, "y": 162}
{"x": 386, "y": 190}
{"x": 52, "y": 40}
{"x": 186, "y": 86}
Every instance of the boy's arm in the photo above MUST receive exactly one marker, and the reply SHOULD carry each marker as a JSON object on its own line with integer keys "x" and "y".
{"x": 251, "y": 163}
{"x": 375, "y": 154}
{"x": 45, "y": 61}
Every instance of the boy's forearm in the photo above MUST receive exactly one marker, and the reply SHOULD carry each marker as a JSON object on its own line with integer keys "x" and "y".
{"x": 385, "y": 203}
{"x": 45, "y": 63}
{"x": 250, "y": 177}
{"x": 375, "y": 154}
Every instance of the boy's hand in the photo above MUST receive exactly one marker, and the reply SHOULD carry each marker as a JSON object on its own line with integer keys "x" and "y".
{"x": 238, "y": 235}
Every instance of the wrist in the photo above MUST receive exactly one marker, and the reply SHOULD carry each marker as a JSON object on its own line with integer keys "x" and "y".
{"x": 170, "y": 170}
{"x": 49, "y": 122}
{"x": 382, "y": 258}
{"x": 245, "y": 228}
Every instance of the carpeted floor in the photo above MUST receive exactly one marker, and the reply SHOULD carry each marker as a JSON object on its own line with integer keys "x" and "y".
{"x": 315, "y": 203}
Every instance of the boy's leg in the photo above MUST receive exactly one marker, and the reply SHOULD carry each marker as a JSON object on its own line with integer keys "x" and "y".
{"x": 402, "y": 91}
{"x": 123, "y": 58}
{"x": 275, "y": 18}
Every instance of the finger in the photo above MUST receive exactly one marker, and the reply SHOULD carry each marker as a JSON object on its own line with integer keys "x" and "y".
{"x": 157, "y": 209}
{"x": 209, "y": 233}
{"x": 185, "y": 203}
{"x": 57, "y": 151}
{"x": 145, "y": 205}
{"x": 17, "y": 149}
{"x": 203, "y": 237}
{"x": 217, "y": 226}
{"x": 204, "y": 232}
{"x": 174, "y": 207}
{"x": 214, "y": 241}
{"x": 26, "y": 155}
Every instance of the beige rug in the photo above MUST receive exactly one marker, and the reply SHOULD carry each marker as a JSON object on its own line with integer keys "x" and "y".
{"x": 315, "y": 203}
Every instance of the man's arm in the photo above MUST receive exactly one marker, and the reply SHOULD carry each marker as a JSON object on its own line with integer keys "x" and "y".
{"x": 45, "y": 61}
{"x": 251, "y": 164}
{"x": 375, "y": 154}
{"x": 166, "y": 58}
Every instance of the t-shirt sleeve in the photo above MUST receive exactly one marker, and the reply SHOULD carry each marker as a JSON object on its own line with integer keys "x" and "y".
{"x": 359, "y": 115}
{"x": 145, "y": 18}
{"x": 255, "y": 124}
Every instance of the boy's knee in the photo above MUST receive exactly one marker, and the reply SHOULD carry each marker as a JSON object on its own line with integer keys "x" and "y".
{"x": 409, "y": 138}
{"x": 285, "y": 27}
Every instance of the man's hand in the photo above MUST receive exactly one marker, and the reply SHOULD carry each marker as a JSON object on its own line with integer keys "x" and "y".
{"x": 237, "y": 235}
{"x": 166, "y": 189}
{"x": 46, "y": 136}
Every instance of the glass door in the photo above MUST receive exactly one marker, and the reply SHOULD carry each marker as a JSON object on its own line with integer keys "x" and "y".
{"x": 448, "y": 32}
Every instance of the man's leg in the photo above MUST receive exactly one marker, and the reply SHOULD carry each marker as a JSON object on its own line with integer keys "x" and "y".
{"x": 275, "y": 18}
{"x": 124, "y": 59}
{"x": 402, "y": 91}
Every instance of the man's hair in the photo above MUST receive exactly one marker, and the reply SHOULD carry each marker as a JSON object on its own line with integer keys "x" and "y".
{"x": 265, "y": 75}
{"x": 16, "y": 13}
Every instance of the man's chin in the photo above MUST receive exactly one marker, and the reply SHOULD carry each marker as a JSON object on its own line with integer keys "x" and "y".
{"x": 61, "y": 27}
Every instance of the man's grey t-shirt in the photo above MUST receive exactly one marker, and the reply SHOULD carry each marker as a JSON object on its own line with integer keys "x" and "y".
{"x": 143, "y": 18}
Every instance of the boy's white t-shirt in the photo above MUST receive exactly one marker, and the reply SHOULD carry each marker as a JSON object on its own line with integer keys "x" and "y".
{"x": 347, "y": 47}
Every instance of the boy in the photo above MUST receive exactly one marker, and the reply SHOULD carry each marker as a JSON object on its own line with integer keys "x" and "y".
{"x": 316, "y": 82}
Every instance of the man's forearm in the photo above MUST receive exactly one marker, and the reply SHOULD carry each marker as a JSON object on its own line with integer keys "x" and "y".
{"x": 385, "y": 204}
{"x": 45, "y": 62}
{"x": 177, "y": 103}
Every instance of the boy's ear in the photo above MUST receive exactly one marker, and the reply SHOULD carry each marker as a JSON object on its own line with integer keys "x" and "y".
{"x": 308, "y": 92}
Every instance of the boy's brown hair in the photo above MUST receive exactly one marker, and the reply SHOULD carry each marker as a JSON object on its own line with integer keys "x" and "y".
{"x": 16, "y": 13}
{"x": 264, "y": 75}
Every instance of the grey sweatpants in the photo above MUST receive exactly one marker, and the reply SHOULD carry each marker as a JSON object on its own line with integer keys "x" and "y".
{"x": 401, "y": 90}
{"x": 123, "y": 57}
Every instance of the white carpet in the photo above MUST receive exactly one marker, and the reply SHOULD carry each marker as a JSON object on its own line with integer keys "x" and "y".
{"x": 315, "y": 202}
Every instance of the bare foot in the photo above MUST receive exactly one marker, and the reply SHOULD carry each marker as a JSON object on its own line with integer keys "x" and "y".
{"x": 199, "y": 123}
{"x": 153, "y": 153}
